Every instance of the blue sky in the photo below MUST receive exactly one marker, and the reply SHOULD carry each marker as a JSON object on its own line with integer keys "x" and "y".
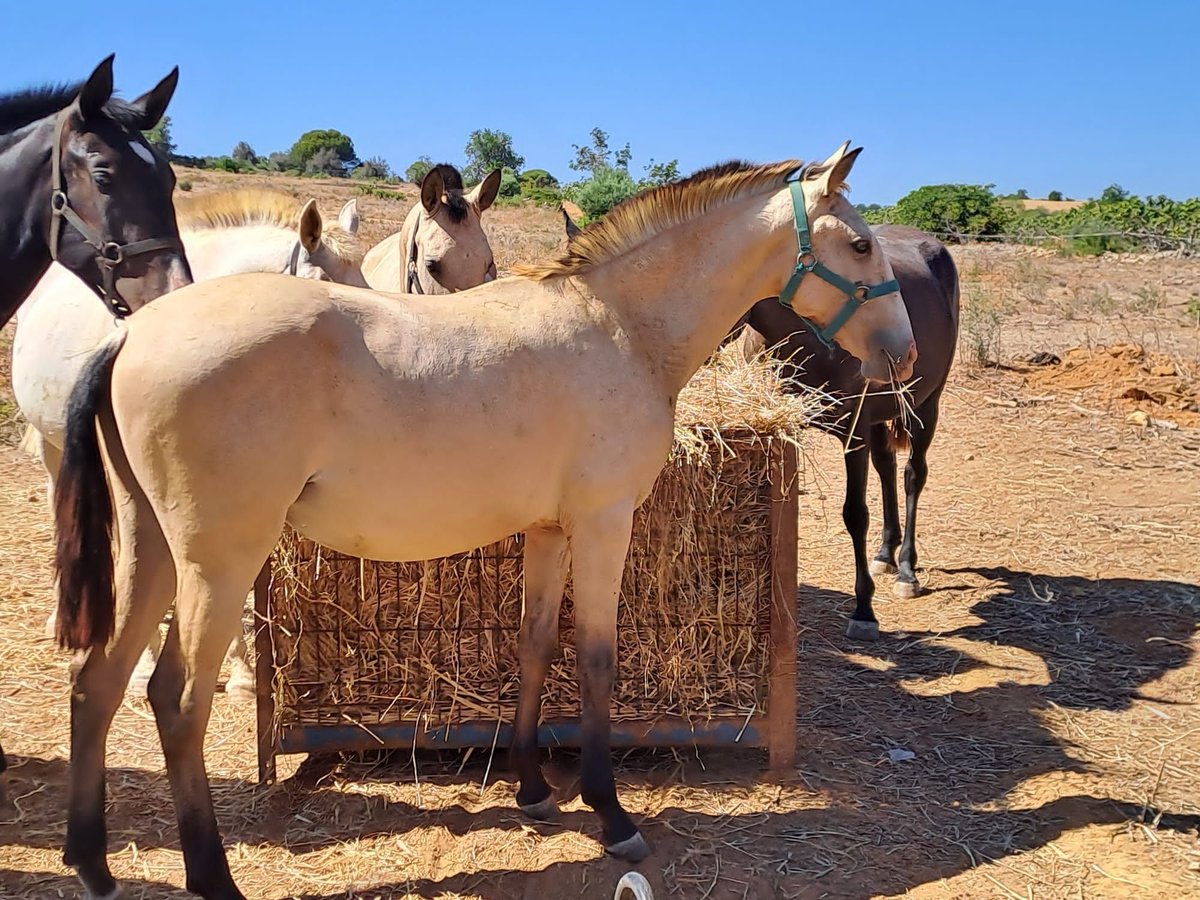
{"x": 1057, "y": 94}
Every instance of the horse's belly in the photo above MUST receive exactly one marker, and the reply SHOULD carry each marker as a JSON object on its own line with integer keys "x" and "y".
{"x": 412, "y": 510}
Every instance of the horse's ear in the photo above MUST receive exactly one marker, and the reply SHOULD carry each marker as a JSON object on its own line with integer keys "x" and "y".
{"x": 97, "y": 90}
{"x": 153, "y": 104}
{"x": 310, "y": 226}
{"x": 829, "y": 176}
{"x": 348, "y": 217}
{"x": 484, "y": 194}
{"x": 573, "y": 230}
{"x": 432, "y": 189}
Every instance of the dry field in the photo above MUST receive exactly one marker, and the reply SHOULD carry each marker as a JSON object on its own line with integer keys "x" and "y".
{"x": 1046, "y": 684}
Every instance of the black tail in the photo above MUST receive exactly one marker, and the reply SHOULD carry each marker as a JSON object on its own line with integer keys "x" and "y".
{"x": 83, "y": 513}
{"x": 897, "y": 436}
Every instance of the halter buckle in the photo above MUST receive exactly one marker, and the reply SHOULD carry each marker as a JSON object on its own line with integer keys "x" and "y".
{"x": 112, "y": 253}
{"x": 861, "y": 293}
{"x": 58, "y": 202}
{"x": 806, "y": 261}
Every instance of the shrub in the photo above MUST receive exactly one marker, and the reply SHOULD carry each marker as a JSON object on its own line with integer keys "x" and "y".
{"x": 604, "y": 190}
{"x": 509, "y": 185}
{"x": 1054, "y": 195}
{"x": 542, "y": 196}
{"x": 537, "y": 178}
{"x": 374, "y": 167}
{"x": 952, "y": 209}
{"x": 185, "y": 185}
{"x": 416, "y": 172}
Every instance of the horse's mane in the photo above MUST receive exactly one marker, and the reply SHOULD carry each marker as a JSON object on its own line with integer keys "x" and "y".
{"x": 247, "y": 207}
{"x": 635, "y": 221}
{"x": 21, "y": 108}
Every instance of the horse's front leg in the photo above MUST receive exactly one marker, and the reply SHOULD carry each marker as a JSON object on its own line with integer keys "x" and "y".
{"x": 546, "y": 563}
{"x": 857, "y": 518}
{"x": 599, "y": 544}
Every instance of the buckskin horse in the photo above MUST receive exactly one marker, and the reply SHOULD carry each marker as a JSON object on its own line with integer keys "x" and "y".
{"x": 402, "y": 427}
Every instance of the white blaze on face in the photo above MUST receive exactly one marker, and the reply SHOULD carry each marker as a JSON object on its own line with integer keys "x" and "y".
{"x": 143, "y": 151}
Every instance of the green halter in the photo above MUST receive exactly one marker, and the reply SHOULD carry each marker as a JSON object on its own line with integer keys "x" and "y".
{"x": 856, "y": 294}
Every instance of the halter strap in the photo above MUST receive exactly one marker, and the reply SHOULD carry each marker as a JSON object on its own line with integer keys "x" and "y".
{"x": 856, "y": 294}
{"x": 412, "y": 284}
{"x": 109, "y": 254}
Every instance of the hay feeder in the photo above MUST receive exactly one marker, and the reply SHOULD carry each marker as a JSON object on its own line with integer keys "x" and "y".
{"x": 356, "y": 655}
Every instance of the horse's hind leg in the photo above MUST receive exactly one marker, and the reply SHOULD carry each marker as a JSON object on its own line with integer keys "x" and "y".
{"x": 915, "y": 475}
{"x": 144, "y": 588}
{"x": 207, "y": 616}
{"x": 856, "y": 516}
{"x": 884, "y": 459}
{"x": 546, "y": 560}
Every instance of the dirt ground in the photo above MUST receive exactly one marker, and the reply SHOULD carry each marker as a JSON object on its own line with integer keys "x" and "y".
{"x": 1046, "y": 684}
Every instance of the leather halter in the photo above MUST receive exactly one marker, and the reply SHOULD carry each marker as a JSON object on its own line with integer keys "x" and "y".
{"x": 412, "y": 284}
{"x": 109, "y": 254}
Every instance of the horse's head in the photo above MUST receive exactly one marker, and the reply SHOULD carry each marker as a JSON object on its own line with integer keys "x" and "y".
{"x": 113, "y": 223}
{"x": 328, "y": 254}
{"x": 843, "y": 283}
{"x": 446, "y": 248}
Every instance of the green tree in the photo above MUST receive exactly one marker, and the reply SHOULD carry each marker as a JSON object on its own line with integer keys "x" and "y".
{"x": 952, "y": 209}
{"x": 312, "y": 142}
{"x": 416, "y": 172}
{"x": 658, "y": 174}
{"x": 510, "y": 186}
{"x": 603, "y": 191}
{"x": 538, "y": 178}
{"x": 487, "y": 150}
{"x": 1022, "y": 194}
{"x": 1054, "y": 195}
{"x": 244, "y": 152}
{"x": 1114, "y": 193}
{"x": 597, "y": 156}
{"x": 325, "y": 162}
{"x": 159, "y": 137}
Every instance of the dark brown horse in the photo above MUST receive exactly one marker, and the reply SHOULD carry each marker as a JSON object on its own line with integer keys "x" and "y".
{"x": 929, "y": 283}
{"x": 80, "y": 185}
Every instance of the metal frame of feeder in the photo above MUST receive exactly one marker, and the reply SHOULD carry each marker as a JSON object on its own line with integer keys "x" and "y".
{"x": 775, "y": 730}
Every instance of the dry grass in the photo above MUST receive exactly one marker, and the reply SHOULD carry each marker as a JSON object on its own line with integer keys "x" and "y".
{"x": 1048, "y": 684}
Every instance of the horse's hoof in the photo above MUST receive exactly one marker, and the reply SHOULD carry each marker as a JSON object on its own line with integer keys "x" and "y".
{"x": 882, "y": 567}
{"x": 543, "y": 811}
{"x": 632, "y": 849}
{"x": 111, "y": 895}
{"x": 862, "y": 631}
{"x": 633, "y": 885}
{"x": 906, "y": 590}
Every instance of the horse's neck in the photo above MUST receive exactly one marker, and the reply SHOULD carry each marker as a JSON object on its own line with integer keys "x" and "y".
{"x": 24, "y": 255}
{"x": 213, "y": 252}
{"x": 680, "y": 293}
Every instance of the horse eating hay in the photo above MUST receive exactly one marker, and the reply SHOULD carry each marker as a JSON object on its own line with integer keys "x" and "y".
{"x": 407, "y": 428}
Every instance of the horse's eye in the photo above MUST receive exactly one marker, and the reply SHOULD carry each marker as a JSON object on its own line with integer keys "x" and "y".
{"x": 102, "y": 177}
{"x": 862, "y": 247}
{"x": 432, "y": 266}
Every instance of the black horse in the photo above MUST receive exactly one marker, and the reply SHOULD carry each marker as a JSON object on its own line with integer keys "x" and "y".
{"x": 929, "y": 283}
{"x": 80, "y": 185}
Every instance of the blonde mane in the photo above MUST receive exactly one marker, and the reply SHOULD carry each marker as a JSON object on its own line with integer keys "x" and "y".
{"x": 638, "y": 219}
{"x": 247, "y": 207}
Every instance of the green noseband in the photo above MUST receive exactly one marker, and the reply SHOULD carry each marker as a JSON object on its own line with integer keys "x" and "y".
{"x": 856, "y": 294}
